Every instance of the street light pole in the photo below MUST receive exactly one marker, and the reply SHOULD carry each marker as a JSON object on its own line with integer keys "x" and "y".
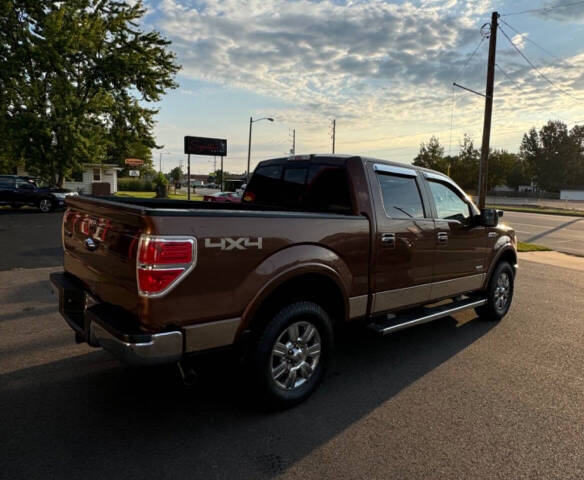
{"x": 248, "y": 150}
{"x": 252, "y": 121}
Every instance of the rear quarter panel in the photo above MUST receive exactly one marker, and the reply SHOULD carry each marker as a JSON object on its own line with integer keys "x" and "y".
{"x": 226, "y": 281}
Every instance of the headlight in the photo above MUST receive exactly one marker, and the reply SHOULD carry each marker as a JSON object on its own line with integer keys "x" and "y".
{"x": 60, "y": 196}
{"x": 71, "y": 194}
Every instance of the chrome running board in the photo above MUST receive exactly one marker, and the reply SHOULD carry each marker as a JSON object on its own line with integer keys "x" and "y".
{"x": 394, "y": 323}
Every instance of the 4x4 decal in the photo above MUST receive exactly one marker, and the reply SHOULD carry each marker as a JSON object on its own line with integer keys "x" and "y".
{"x": 228, "y": 243}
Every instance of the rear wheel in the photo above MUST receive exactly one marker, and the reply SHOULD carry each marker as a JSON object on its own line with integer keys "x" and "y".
{"x": 292, "y": 353}
{"x": 45, "y": 205}
{"x": 499, "y": 293}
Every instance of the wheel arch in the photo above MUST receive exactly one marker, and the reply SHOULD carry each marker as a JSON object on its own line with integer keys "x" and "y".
{"x": 313, "y": 282}
{"x": 505, "y": 253}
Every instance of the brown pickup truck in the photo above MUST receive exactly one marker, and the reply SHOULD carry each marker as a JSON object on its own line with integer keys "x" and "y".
{"x": 317, "y": 241}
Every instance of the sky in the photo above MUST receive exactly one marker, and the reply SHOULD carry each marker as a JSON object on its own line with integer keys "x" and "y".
{"x": 383, "y": 69}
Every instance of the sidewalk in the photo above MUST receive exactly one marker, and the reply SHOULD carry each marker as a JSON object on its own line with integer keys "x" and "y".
{"x": 555, "y": 259}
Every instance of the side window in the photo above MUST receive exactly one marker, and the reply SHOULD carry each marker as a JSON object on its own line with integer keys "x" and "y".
{"x": 449, "y": 205}
{"x": 327, "y": 190}
{"x": 24, "y": 184}
{"x": 401, "y": 197}
{"x": 96, "y": 174}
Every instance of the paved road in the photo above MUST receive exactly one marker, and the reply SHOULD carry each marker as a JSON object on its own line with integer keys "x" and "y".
{"x": 30, "y": 239}
{"x": 458, "y": 398}
{"x": 564, "y": 234}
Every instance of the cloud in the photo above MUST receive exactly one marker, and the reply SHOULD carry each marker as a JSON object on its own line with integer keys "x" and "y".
{"x": 328, "y": 57}
{"x": 382, "y": 68}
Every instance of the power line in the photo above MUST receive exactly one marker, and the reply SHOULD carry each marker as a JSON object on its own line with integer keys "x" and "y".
{"x": 537, "y": 69}
{"x": 525, "y": 37}
{"x": 469, "y": 58}
{"x": 508, "y": 77}
{"x": 546, "y": 9}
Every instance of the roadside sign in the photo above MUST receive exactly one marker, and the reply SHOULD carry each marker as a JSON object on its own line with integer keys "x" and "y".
{"x": 206, "y": 146}
{"x": 134, "y": 173}
{"x": 134, "y": 162}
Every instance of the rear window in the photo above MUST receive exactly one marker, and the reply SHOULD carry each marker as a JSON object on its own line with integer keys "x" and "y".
{"x": 318, "y": 188}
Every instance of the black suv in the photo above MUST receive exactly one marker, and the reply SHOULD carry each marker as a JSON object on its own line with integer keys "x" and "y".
{"x": 18, "y": 191}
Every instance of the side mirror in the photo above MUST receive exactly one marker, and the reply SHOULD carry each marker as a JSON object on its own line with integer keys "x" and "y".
{"x": 489, "y": 217}
{"x": 500, "y": 213}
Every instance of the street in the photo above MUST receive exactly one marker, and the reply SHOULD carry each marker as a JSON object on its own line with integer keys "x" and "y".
{"x": 457, "y": 398}
{"x": 561, "y": 233}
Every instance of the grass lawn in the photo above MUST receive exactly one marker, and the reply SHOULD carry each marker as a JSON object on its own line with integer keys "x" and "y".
{"x": 545, "y": 210}
{"x": 531, "y": 247}
{"x": 173, "y": 196}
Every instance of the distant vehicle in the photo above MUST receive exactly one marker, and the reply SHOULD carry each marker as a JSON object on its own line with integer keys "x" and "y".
{"x": 223, "y": 197}
{"x": 210, "y": 185}
{"x": 17, "y": 191}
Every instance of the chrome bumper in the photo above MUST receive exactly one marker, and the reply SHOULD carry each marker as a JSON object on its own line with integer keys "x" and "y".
{"x": 164, "y": 347}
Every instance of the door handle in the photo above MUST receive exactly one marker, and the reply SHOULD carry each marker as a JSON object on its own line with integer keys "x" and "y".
{"x": 388, "y": 239}
{"x": 442, "y": 238}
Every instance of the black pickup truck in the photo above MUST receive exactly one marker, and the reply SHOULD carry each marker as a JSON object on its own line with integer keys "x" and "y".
{"x": 17, "y": 191}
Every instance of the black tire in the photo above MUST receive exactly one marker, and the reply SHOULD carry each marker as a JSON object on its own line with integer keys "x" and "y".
{"x": 499, "y": 293}
{"x": 46, "y": 205}
{"x": 263, "y": 361}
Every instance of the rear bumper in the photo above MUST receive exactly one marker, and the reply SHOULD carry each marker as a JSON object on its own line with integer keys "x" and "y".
{"x": 107, "y": 327}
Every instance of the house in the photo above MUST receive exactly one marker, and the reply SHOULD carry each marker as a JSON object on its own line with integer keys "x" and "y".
{"x": 92, "y": 173}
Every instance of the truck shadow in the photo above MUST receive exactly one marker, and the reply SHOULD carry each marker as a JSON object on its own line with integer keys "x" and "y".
{"x": 91, "y": 417}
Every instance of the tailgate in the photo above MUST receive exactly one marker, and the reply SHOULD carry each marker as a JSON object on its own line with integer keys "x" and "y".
{"x": 100, "y": 242}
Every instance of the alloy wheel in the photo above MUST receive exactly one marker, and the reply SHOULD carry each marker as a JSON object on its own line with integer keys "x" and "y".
{"x": 295, "y": 355}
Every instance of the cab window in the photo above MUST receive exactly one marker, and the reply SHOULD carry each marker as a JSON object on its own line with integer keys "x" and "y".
{"x": 401, "y": 197}
{"x": 449, "y": 204}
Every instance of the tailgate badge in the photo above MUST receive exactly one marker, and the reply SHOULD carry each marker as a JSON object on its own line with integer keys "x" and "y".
{"x": 90, "y": 244}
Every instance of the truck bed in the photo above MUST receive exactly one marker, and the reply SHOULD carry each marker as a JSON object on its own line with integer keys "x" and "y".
{"x": 239, "y": 249}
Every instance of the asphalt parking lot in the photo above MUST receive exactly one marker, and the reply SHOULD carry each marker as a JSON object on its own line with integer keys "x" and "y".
{"x": 457, "y": 398}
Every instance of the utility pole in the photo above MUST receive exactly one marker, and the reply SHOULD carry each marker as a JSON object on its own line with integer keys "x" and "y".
{"x": 293, "y": 151}
{"x": 215, "y": 164}
{"x": 334, "y": 133}
{"x": 483, "y": 169}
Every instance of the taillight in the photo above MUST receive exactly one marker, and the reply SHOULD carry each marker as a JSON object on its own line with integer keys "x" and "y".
{"x": 162, "y": 262}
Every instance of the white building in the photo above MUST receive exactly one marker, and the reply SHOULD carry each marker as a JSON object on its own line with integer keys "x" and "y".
{"x": 91, "y": 173}
{"x": 572, "y": 194}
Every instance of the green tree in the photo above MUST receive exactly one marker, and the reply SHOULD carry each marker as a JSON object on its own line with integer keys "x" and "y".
{"x": 500, "y": 165}
{"x": 519, "y": 174}
{"x": 465, "y": 169}
{"x": 74, "y": 82}
{"x": 431, "y": 155}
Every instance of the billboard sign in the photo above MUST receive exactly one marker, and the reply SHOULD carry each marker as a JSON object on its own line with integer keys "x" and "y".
{"x": 206, "y": 146}
{"x": 134, "y": 162}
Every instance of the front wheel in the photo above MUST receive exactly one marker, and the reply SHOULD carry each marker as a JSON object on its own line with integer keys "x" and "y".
{"x": 292, "y": 353}
{"x": 499, "y": 293}
{"x": 45, "y": 205}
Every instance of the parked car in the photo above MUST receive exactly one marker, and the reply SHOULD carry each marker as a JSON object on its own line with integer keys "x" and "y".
{"x": 318, "y": 241}
{"x": 18, "y": 190}
{"x": 223, "y": 197}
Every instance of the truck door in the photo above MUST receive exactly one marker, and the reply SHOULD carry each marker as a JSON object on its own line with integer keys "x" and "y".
{"x": 403, "y": 243}
{"x": 461, "y": 244}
